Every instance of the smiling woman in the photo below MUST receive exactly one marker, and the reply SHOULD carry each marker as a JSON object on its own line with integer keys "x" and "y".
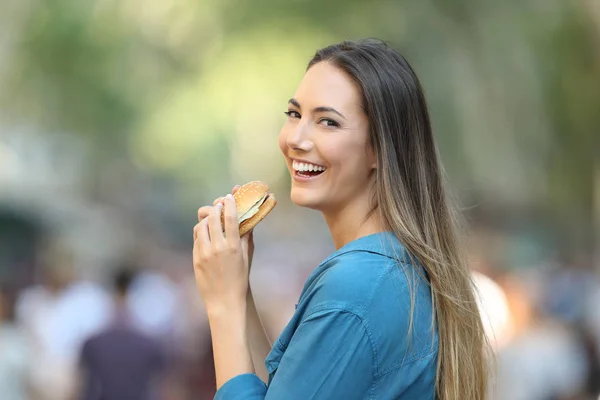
{"x": 392, "y": 313}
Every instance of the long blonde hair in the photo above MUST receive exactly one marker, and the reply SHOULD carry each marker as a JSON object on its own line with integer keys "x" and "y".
{"x": 411, "y": 200}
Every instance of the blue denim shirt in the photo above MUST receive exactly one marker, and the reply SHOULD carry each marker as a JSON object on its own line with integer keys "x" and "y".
{"x": 349, "y": 337}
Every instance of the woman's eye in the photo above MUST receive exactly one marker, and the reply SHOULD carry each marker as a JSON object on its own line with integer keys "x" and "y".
{"x": 329, "y": 122}
{"x": 292, "y": 114}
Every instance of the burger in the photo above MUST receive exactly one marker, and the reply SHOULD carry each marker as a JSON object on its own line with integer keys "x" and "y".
{"x": 253, "y": 203}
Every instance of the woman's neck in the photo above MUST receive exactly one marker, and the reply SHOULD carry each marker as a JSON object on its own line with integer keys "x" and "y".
{"x": 352, "y": 222}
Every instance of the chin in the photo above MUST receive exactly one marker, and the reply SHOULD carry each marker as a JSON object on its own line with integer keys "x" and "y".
{"x": 303, "y": 198}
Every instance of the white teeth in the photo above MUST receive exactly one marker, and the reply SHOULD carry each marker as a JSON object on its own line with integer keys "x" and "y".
{"x": 298, "y": 166}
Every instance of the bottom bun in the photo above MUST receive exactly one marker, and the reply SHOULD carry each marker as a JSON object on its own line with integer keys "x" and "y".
{"x": 263, "y": 210}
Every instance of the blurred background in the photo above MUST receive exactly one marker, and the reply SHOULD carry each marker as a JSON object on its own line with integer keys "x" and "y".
{"x": 119, "y": 119}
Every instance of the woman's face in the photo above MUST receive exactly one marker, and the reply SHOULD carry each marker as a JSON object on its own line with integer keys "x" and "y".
{"x": 325, "y": 141}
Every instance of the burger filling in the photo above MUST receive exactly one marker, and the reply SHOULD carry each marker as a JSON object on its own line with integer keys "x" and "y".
{"x": 252, "y": 211}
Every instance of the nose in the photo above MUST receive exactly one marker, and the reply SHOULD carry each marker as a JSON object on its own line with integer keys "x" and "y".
{"x": 299, "y": 138}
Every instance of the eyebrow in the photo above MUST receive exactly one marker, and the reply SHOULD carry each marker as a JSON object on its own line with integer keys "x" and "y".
{"x": 295, "y": 103}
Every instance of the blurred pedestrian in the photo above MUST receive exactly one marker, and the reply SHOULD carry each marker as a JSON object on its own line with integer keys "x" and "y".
{"x": 15, "y": 354}
{"x": 121, "y": 362}
{"x": 58, "y": 314}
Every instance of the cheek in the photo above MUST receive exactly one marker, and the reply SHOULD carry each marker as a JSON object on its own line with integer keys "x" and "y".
{"x": 282, "y": 140}
{"x": 332, "y": 152}
{"x": 352, "y": 160}
{"x": 341, "y": 152}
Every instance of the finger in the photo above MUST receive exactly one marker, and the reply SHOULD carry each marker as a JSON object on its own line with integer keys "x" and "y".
{"x": 215, "y": 228}
{"x": 231, "y": 223}
{"x": 247, "y": 239}
{"x": 203, "y": 212}
{"x": 235, "y": 189}
{"x": 250, "y": 238}
{"x": 218, "y": 200}
{"x": 196, "y": 227}
{"x": 244, "y": 240}
{"x": 202, "y": 235}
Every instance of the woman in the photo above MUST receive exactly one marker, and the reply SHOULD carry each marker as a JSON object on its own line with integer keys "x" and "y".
{"x": 391, "y": 314}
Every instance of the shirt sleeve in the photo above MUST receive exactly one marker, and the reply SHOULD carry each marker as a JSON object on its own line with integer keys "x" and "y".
{"x": 330, "y": 356}
{"x": 242, "y": 387}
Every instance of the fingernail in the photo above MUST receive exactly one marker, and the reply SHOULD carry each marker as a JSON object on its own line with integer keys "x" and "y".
{"x": 220, "y": 205}
{"x": 229, "y": 196}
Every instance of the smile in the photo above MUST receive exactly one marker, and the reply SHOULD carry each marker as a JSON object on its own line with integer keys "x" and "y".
{"x": 304, "y": 170}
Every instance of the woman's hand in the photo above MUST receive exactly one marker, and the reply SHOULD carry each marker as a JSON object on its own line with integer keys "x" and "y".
{"x": 220, "y": 258}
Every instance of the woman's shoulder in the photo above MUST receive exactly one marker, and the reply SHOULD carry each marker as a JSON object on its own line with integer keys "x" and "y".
{"x": 365, "y": 280}
{"x": 353, "y": 278}
{"x": 390, "y": 295}
{"x": 369, "y": 272}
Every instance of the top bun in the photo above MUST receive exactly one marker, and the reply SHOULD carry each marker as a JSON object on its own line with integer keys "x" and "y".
{"x": 248, "y": 195}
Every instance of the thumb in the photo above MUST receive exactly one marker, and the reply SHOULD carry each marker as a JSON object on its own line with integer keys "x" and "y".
{"x": 244, "y": 240}
{"x": 248, "y": 236}
{"x": 247, "y": 240}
